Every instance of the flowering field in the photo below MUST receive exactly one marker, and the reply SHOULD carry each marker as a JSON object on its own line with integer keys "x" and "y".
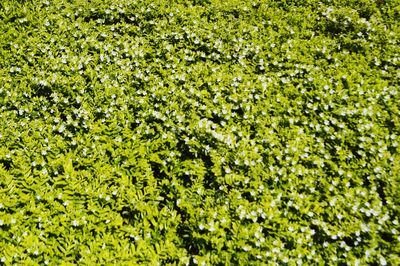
{"x": 199, "y": 132}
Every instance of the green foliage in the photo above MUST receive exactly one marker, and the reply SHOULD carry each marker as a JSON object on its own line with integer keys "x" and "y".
{"x": 199, "y": 132}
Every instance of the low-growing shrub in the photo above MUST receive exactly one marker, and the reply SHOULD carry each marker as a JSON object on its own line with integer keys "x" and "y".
{"x": 199, "y": 132}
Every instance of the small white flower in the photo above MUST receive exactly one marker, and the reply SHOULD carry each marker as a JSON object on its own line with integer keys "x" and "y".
{"x": 246, "y": 248}
{"x": 382, "y": 260}
{"x": 61, "y": 129}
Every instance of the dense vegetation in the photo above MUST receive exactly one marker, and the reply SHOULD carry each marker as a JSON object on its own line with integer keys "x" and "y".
{"x": 199, "y": 132}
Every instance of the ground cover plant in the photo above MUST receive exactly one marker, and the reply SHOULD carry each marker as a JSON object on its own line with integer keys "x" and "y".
{"x": 199, "y": 132}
